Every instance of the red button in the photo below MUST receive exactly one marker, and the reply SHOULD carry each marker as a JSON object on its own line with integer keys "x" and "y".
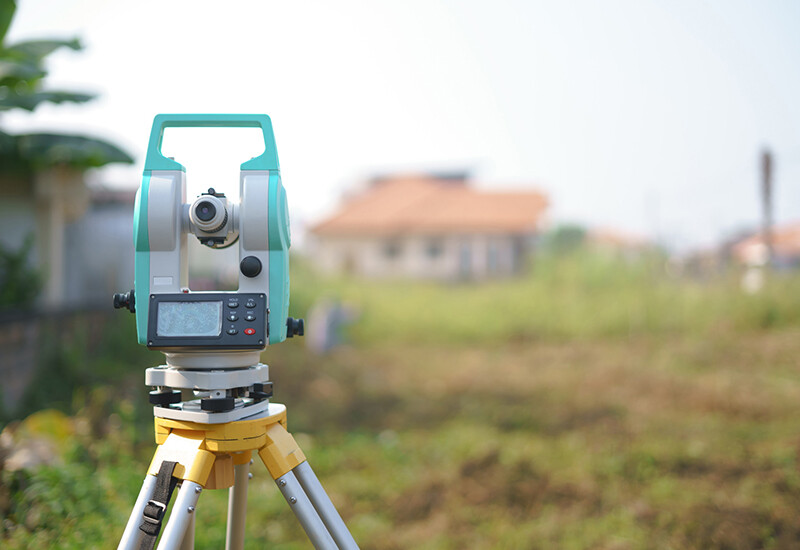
{"x": 249, "y": 331}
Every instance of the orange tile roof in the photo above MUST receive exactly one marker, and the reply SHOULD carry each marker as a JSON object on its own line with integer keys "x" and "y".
{"x": 420, "y": 204}
{"x": 785, "y": 242}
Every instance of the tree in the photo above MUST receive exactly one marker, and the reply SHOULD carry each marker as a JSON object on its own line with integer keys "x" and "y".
{"x": 21, "y": 77}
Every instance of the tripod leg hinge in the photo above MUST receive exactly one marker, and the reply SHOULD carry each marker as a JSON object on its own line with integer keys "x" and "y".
{"x": 192, "y": 462}
{"x": 281, "y": 454}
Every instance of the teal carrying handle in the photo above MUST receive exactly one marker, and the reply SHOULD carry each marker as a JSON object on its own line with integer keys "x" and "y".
{"x": 268, "y": 160}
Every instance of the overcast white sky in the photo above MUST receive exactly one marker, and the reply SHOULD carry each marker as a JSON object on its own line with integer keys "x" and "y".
{"x": 644, "y": 116}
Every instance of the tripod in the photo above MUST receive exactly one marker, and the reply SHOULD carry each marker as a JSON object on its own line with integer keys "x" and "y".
{"x": 215, "y": 456}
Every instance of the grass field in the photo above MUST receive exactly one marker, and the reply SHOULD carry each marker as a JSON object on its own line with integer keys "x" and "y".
{"x": 594, "y": 403}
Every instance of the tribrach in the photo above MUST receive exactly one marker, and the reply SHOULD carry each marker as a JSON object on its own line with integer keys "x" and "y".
{"x": 211, "y": 400}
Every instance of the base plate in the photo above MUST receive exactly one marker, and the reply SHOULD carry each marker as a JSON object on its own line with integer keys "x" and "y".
{"x": 190, "y": 411}
{"x": 219, "y": 379}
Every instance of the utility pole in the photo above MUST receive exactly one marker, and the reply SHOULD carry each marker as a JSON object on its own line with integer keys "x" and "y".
{"x": 766, "y": 196}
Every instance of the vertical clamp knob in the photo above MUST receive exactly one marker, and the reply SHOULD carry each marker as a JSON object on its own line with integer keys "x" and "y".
{"x": 294, "y": 327}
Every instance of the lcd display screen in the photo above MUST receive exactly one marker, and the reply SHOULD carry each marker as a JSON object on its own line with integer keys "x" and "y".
{"x": 186, "y": 319}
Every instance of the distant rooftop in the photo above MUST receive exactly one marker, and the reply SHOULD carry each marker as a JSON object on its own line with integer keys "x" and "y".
{"x": 785, "y": 242}
{"x": 434, "y": 204}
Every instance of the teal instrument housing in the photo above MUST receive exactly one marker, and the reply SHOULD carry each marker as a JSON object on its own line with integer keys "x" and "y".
{"x": 279, "y": 243}
{"x": 141, "y": 246}
{"x": 268, "y": 160}
{"x": 159, "y": 233}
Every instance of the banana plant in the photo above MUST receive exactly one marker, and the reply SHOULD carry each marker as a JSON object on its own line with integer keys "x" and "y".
{"x": 22, "y": 73}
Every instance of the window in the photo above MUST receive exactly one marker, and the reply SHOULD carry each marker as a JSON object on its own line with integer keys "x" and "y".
{"x": 492, "y": 254}
{"x": 434, "y": 249}
{"x": 391, "y": 250}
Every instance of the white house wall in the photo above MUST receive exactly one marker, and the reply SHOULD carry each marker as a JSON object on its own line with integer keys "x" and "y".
{"x": 462, "y": 256}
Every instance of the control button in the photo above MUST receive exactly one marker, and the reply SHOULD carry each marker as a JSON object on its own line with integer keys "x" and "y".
{"x": 232, "y": 331}
{"x": 233, "y": 305}
{"x": 233, "y": 317}
{"x": 250, "y": 331}
{"x": 250, "y": 303}
{"x": 249, "y": 316}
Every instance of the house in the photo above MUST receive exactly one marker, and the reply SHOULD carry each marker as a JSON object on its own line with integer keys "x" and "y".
{"x": 429, "y": 226}
{"x": 752, "y": 251}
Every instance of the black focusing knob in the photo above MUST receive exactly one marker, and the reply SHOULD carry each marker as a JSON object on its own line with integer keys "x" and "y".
{"x": 125, "y": 300}
{"x": 294, "y": 327}
{"x": 250, "y": 266}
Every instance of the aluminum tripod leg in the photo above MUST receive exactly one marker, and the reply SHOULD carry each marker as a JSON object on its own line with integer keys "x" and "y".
{"x": 237, "y": 507}
{"x": 325, "y": 508}
{"x": 132, "y": 536}
{"x": 305, "y": 512}
{"x": 188, "y": 536}
{"x": 181, "y": 516}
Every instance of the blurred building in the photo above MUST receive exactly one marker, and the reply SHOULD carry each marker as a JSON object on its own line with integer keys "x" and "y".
{"x": 80, "y": 239}
{"x": 752, "y": 251}
{"x": 99, "y": 249}
{"x": 79, "y": 244}
{"x": 429, "y": 226}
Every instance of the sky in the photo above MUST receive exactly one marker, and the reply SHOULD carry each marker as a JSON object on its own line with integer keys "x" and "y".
{"x": 647, "y": 117}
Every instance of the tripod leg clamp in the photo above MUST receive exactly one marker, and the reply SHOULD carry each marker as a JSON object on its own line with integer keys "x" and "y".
{"x": 156, "y": 508}
{"x": 281, "y": 453}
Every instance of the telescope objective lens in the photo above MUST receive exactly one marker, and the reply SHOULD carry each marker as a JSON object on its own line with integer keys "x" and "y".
{"x": 205, "y": 211}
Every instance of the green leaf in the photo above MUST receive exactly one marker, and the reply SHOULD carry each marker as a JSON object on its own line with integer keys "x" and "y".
{"x": 15, "y": 70}
{"x": 7, "y": 9}
{"x": 36, "y": 50}
{"x": 30, "y": 101}
{"x": 53, "y": 149}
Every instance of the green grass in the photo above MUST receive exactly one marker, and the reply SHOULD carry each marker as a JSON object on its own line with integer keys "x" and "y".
{"x": 578, "y": 297}
{"x": 594, "y": 403}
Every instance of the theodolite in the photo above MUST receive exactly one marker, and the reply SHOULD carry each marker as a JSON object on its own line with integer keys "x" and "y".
{"x": 211, "y": 400}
